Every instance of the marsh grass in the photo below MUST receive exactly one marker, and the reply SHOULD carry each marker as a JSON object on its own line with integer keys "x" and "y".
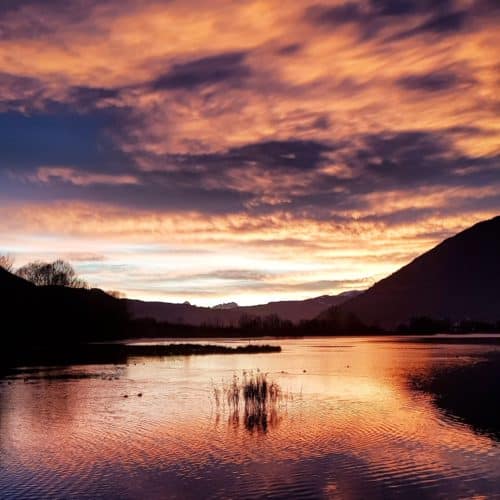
{"x": 254, "y": 396}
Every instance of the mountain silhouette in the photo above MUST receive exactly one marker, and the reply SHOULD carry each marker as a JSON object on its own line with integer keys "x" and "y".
{"x": 458, "y": 279}
{"x": 292, "y": 310}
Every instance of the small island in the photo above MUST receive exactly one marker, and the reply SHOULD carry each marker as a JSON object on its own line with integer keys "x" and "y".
{"x": 196, "y": 349}
{"x": 117, "y": 353}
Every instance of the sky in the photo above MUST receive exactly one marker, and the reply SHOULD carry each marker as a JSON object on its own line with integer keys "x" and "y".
{"x": 246, "y": 151}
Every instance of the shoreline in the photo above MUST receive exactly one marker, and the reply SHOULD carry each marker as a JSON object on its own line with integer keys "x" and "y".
{"x": 118, "y": 353}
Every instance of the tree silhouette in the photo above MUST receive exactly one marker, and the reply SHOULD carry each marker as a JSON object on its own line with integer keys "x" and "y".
{"x": 57, "y": 273}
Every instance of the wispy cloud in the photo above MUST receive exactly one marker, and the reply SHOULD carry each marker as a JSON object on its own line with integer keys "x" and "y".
{"x": 71, "y": 175}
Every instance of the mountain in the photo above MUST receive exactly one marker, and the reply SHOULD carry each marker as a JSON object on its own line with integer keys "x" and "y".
{"x": 458, "y": 279}
{"x": 292, "y": 310}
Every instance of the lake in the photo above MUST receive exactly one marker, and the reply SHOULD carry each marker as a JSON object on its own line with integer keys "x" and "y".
{"x": 349, "y": 425}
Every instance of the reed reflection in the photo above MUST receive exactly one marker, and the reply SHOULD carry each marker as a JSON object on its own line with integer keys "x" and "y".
{"x": 259, "y": 422}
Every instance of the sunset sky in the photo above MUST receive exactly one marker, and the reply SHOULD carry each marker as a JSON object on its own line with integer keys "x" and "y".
{"x": 244, "y": 150}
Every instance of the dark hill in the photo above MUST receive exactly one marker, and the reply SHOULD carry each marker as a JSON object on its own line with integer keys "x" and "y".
{"x": 11, "y": 283}
{"x": 458, "y": 279}
{"x": 56, "y": 314}
{"x": 15, "y": 295}
{"x": 292, "y": 310}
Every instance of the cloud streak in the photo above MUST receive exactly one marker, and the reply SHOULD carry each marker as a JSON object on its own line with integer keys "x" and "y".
{"x": 48, "y": 175}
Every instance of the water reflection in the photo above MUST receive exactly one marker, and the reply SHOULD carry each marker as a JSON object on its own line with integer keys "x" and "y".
{"x": 358, "y": 430}
{"x": 468, "y": 391}
{"x": 255, "y": 420}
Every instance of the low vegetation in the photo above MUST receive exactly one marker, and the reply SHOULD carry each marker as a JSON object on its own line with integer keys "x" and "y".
{"x": 254, "y": 399}
{"x": 196, "y": 349}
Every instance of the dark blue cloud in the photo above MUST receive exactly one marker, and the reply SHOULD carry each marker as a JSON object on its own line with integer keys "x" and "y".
{"x": 433, "y": 82}
{"x": 76, "y": 8}
{"x": 445, "y": 24}
{"x": 28, "y": 91}
{"x": 405, "y": 158}
{"x": 205, "y": 71}
{"x": 442, "y": 17}
{"x": 453, "y": 21}
{"x": 294, "y": 154}
{"x": 38, "y": 26}
{"x": 402, "y": 161}
{"x": 373, "y": 15}
{"x": 46, "y": 18}
{"x": 7, "y": 6}
{"x": 395, "y": 7}
{"x": 289, "y": 155}
{"x": 383, "y": 161}
{"x": 409, "y": 7}
{"x": 88, "y": 97}
{"x": 325, "y": 15}
{"x": 290, "y": 49}
{"x": 30, "y": 94}
{"x": 155, "y": 192}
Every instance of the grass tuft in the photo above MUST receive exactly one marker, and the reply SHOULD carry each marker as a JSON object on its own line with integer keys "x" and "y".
{"x": 257, "y": 397}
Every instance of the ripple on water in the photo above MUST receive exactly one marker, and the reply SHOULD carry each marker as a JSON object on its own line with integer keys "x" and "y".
{"x": 355, "y": 432}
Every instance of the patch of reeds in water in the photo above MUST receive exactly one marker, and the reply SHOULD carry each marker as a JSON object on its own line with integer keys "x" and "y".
{"x": 256, "y": 397}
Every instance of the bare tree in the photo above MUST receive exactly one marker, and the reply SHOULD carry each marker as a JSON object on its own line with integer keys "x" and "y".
{"x": 7, "y": 262}
{"x": 57, "y": 273}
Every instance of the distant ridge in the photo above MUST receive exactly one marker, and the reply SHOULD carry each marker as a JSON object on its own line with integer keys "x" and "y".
{"x": 292, "y": 310}
{"x": 458, "y": 279}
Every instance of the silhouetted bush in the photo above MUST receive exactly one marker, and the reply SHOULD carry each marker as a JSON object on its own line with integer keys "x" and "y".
{"x": 57, "y": 273}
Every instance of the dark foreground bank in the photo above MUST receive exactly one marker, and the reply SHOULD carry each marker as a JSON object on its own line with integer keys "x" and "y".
{"x": 469, "y": 392}
{"x": 115, "y": 353}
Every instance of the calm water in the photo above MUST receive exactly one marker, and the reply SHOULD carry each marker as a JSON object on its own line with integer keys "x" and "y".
{"x": 351, "y": 427}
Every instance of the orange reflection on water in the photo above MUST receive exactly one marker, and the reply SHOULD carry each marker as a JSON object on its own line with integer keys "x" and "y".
{"x": 350, "y": 417}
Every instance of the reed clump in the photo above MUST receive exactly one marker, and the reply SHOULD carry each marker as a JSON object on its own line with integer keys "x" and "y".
{"x": 253, "y": 395}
